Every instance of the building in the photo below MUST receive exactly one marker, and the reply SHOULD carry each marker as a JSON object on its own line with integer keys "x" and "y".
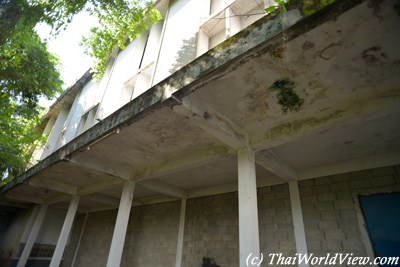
{"x": 222, "y": 133}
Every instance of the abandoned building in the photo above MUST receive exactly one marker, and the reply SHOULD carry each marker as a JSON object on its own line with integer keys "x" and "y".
{"x": 225, "y": 135}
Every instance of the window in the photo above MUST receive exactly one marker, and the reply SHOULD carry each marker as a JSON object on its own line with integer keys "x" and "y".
{"x": 137, "y": 84}
{"x": 87, "y": 120}
{"x": 226, "y": 19}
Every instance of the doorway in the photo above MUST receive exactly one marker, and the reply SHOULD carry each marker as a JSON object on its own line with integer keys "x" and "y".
{"x": 382, "y": 216}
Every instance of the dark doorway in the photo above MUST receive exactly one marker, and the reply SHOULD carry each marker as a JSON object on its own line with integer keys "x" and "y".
{"x": 382, "y": 216}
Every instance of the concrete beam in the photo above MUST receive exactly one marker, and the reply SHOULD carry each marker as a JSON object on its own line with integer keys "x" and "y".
{"x": 375, "y": 161}
{"x": 98, "y": 187}
{"x": 101, "y": 167}
{"x": 278, "y": 166}
{"x": 87, "y": 190}
{"x": 180, "y": 163}
{"x": 213, "y": 123}
{"x": 54, "y": 186}
{"x": 24, "y": 198}
{"x": 12, "y": 203}
{"x": 103, "y": 199}
{"x": 164, "y": 188}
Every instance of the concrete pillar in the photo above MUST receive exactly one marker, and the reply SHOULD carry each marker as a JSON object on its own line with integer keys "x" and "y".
{"x": 65, "y": 231}
{"x": 202, "y": 43}
{"x": 79, "y": 240}
{"x": 298, "y": 223}
{"x": 181, "y": 231}
{"x": 34, "y": 232}
{"x": 249, "y": 244}
{"x": 118, "y": 239}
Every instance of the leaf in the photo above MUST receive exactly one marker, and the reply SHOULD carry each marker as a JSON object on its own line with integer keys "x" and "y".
{"x": 270, "y": 9}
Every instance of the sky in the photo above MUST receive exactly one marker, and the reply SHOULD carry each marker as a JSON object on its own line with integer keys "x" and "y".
{"x": 74, "y": 63}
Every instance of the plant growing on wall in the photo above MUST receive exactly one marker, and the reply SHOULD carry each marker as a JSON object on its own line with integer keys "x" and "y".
{"x": 120, "y": 23}
{"x": 306, "y": 7}
{"x": 286, "y": 95}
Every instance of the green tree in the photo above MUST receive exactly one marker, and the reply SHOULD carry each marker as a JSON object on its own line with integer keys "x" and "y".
{"x": 27, "y": 72}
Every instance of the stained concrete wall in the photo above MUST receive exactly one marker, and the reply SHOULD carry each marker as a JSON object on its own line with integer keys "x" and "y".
{"x": 212, "y": 230}
{"x": 151, "y": 238}
{"x": 330, "y": 208}
{"x": 15, "y": 229}
{"x": 12, "y": 227}
{"x": 275, "y": 220}
{"x": 51, "y": 227}
{"x": 96, "y": 239}
{"x": 156, "y": 227}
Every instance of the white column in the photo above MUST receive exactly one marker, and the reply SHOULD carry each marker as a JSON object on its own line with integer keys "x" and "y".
{"x": 298, "y": 223}
{"x": 202, "y": 43}
{"x": 118, "y": 239}
{"x": 34, "y": 232}
{"x": 249, "y": 243}
{"x": 65, "y": 231}
{"x": 79, "y": 240}
{"x": 181, "y": 232}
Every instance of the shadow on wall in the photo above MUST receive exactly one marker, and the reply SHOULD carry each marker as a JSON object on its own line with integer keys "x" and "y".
{"x": 186, "y": 53}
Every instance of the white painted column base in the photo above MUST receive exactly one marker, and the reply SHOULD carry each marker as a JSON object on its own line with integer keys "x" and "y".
{"x": 65, "y": 231}
{"x": 118, "y": 239}
{"x": 41, "y": 212}
{"x": 181, "y": 232}
{"x": 249, "y": 244}
{"x": 298, "y": 223}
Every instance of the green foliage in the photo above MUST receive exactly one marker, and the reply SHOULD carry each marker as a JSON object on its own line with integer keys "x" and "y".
{"x": 27, "y": 72}
{"x": 17, "y": 135}
{"x": 120, "y": 22}
{"x": 286, "y": 95}
{"x": 273, "y": 10}
{"x": 307, "y": 7}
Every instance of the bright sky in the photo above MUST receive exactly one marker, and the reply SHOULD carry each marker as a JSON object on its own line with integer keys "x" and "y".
{"x": 66, "y": 46}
